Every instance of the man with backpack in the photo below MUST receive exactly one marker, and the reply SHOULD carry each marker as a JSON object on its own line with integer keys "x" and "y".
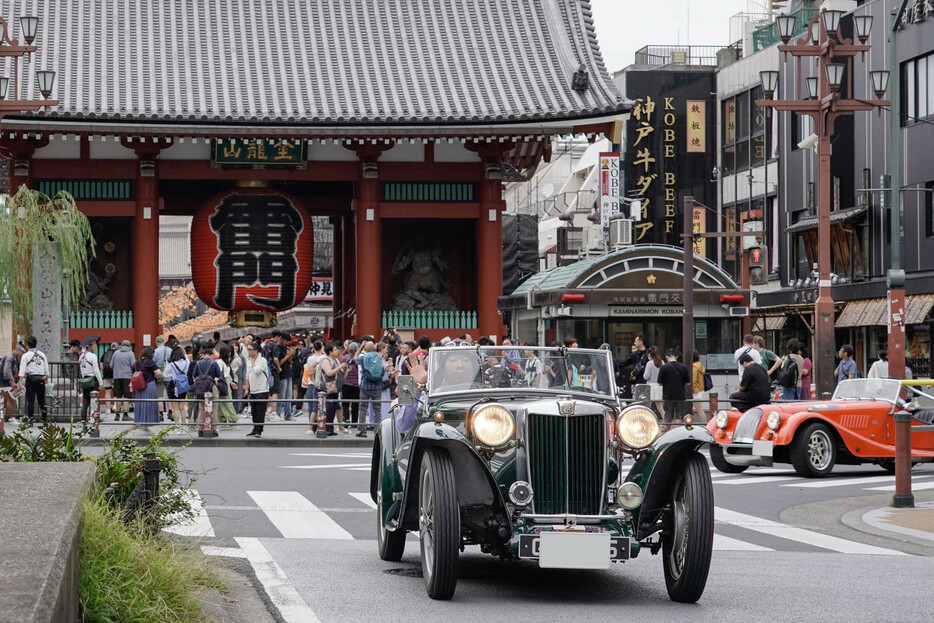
{"x": 788, "y": 371}
{"x": 371, "y": 368}
{"x": 205, "y": 374}
{"x": 34, "y": 366}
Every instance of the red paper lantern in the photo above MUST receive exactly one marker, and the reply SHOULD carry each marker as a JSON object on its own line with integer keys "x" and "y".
{"x": 252, "y": 249}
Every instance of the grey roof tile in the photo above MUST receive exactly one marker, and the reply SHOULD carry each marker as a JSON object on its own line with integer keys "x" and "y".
{"x": 346, "y": 62}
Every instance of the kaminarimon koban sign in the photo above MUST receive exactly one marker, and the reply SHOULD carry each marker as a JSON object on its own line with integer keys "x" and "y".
{"x": 252, "y": 250}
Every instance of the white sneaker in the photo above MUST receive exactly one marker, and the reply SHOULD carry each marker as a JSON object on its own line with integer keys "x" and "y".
{"x": 272, "y": 417}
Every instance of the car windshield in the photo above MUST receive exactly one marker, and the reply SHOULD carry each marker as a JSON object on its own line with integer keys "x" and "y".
{"x": 868, "y": 389}
{"x": 466, "y": 368}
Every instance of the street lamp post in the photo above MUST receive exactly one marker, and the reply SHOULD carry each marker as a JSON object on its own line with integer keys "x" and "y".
{"x": 824, "y": 103}
{"x": 45, "y": 78}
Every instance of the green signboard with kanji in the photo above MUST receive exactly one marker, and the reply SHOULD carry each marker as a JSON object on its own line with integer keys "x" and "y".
{"x": 258, "y": 153}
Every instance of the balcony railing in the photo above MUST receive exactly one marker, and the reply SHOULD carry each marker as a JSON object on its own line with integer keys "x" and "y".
{"x": 691, "y": 55}
{"x": 768, "y": 35}
{"x": 101, "y": 320}
{"x": 430, "y": 319}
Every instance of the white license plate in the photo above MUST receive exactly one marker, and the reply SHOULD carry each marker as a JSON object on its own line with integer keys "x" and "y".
{"x": 762, "y": 448}
{"x": 568, "y": 550}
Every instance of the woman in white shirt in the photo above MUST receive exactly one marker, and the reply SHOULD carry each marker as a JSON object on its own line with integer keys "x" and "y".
{"x": 87, "y": 363}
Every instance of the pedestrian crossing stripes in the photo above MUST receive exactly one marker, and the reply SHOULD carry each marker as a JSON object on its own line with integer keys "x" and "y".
{"x": 295, "y": 517}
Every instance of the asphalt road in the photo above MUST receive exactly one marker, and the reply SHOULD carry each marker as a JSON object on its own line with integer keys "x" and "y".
{"x": 303, "y": 519}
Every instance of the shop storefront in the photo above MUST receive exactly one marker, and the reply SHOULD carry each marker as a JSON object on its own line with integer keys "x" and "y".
{"x": 637, "y": 290}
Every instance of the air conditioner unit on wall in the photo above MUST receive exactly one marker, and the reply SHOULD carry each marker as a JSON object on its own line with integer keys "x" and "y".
{"x": 621, "y": 232}
{"x": 592, "y": 238}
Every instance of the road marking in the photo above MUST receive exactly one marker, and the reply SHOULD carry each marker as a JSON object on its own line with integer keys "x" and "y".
{"x": 297, "y": 518}
{"x": 727, "y": 544}
{"x": 292, "y": 608}
{"x": 229, "y": 552}
{"x": 914, "y": 487}
{"x": 365, "y": 498}
{"x": 197, "y": 526}
{"x": 800, "y": 535}
{"x": 843, "y": 482}
{"x": 750, "y": 480}
{"x": 334, "y": 466}
{"x": 357, "y": 469}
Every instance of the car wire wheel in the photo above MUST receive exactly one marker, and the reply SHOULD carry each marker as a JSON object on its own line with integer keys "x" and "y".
{"x": 438, "y": 523}
{"x": 814, "y": 451}
{"x": 688, "y": 542}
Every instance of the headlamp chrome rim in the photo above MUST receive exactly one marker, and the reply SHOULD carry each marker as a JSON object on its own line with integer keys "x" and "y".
{"x": 773, "y": 420}
{"x": 637, "y": 427}
{"x": 629, "y": 495}
{"x": 722, "y": 419}
{"x": 492, "y": 425}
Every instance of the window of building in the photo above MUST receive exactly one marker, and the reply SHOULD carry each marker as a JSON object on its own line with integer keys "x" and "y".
{"x": 917, "y": 88}
{"x": 802, "y": 126}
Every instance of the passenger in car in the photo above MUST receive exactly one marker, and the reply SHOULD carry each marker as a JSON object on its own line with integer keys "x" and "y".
{"x": 754, "y": 388}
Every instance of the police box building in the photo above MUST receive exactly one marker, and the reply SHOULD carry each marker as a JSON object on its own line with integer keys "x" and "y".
{"x": 396, "y": 121}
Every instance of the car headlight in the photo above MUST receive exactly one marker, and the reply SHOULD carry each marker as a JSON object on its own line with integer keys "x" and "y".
{"x": 492, "y": 425}
{"x": 637, "y": 427}
{"x": 722, "y": 418}
{"x": 773, "y": 420}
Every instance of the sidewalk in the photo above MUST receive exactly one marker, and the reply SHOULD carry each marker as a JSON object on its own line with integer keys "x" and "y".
{"x": 909, "y": 524}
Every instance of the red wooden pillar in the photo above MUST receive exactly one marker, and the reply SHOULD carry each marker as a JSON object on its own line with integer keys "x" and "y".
{"x": 337, "y": 277}
{"x": 348, "y": 300}
{"x": 490, "y": 255}
{"x": 369, "y": 249}
{"x": 146, "y": 251}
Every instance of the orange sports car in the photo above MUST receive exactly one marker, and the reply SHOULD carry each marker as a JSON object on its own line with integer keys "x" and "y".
{"x": 855, "y": 426}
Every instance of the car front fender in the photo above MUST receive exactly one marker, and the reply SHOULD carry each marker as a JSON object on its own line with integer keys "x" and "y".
{"x": 475, "y": 484}
{"x": 391, "y": 485}
{"x": 655, "y": 469}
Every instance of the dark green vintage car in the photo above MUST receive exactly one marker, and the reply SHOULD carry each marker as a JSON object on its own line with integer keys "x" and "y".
{"x": 521, "y": 452}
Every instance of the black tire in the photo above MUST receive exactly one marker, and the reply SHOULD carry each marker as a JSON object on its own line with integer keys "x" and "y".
{"x": 391, "y": 543}
{"x": 687, "y": 544}
{"x": 439, "y": 524}
{"x": 889, "y": 465}
{"x": 716, "y": 457}
{"x": 814, "y": 451}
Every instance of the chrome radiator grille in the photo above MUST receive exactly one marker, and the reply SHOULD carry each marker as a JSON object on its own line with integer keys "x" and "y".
{"x": 566, "y": 463}
{"x": 748, "y": 424}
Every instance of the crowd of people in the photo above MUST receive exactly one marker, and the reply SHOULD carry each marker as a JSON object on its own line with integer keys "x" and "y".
{"x": 342, "y": 385}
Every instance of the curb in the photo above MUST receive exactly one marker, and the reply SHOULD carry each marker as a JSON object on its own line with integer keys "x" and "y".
{"x": 869, "y": 521}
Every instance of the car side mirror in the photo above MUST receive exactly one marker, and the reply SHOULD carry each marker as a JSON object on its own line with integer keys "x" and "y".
{"x": 406, "y": 388}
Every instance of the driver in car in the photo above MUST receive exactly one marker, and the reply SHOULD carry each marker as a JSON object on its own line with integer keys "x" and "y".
{"x": 459, "y": 369}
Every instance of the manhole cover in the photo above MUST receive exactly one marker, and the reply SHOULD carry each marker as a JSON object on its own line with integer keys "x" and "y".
{"x": 463, "y": 574}
{"x": 406, "y": 572}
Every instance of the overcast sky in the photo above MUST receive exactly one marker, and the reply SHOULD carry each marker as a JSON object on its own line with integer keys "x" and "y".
{"x": 624, "y": 26}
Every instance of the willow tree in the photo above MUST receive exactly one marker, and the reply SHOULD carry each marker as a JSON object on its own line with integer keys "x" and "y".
{"x": 29, "y": 220}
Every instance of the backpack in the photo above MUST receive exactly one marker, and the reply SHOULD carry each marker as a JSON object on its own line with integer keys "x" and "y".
{"x": 204, "y": 382}
{"x": 181, "y": 380}
{"x": 106, "y": 360}
{"x": 138, "y": 381}
{"x": 373, "y": 367}
{"x": 788, "y": 373}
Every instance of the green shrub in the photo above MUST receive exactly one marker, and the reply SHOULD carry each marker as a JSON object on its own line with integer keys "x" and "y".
{"x": 132, "y": 576}
{"x": 52, "y": 443}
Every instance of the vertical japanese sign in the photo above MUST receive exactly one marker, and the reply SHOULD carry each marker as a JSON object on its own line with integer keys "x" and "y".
{"x": 697, "y": 126}
{"x": 609, "y": 186}
{"x": 642, "y": 160}
{"x": 699, "y": 217}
